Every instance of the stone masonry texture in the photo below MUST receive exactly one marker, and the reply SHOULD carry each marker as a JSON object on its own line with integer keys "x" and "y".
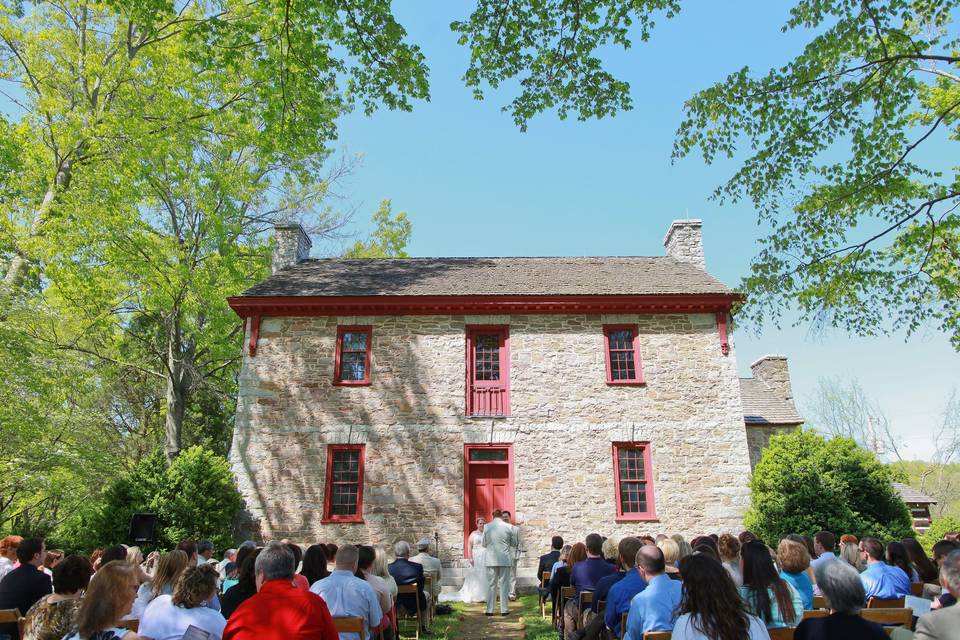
{"x": 564, "y": 419}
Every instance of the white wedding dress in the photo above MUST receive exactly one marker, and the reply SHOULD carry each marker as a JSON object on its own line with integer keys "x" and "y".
{"x": 474, "y": 587}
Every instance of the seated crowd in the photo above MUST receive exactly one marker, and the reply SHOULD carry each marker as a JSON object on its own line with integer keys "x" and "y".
{"x": 253, "y": 593}
{"x": 726, "y": 587}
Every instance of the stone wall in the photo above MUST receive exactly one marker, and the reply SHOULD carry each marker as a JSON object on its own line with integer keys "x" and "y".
{"x": 291, "y": 245}
{"x": 758, "y": 436}
{"x": 563, "y": 420}
{"x": 684, "y": 241}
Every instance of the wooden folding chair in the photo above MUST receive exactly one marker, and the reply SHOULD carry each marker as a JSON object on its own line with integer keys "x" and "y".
{"x": 657, "y": 635}
{"x": 403, "y": 614}
{"x": 130, "y": 625}
{"x": 565, "y": 594}
{"x": 586, "y": 599}
{"x": 544, "y": 581}
{"x": 601, "y": 607}
{"x": 916, "y": 589}
{"x": 781, "y": 633}
{"x": 815, "y": 613}
{"x": 898, "y": 617}
{"x": 428, "y": 588}
{"x": 884, "y": 603}
{"x": 13, "y": 615}
{"x": 819, "y": 602}
{"x": 352, "y": 624}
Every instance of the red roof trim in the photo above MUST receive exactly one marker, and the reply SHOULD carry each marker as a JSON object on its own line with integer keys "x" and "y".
{"x": 247, "y": 306}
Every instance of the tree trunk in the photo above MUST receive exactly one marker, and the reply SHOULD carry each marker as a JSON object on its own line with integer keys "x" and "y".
{"x": 176, "y": 390}
{"x": 17, "y": 269}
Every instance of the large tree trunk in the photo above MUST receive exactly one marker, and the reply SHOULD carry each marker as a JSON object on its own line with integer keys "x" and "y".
{"x": 176, "y": 390}
{"x": 17, "y": 269}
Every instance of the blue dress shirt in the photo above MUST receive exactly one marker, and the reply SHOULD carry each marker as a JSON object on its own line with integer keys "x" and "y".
{"x": 880, "y": 580}
{"x": 619, "y": 598}
{"x": 347, "y": 596}
{"x": 801, "y": 582}
{"x": 652, "y": 609}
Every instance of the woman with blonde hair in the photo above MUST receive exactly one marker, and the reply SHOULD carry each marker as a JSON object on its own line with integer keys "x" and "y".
{"x": 169, "y": 568}
{"x": 135, "y": 560}
{"x": 380, "y": 568}
{"x": 850, "y": 553}
{"x": 107, "y": 600}
{"x": 671, "y": 556}
{"x": 682, "y": 545}
{"x": 170, "y": 616}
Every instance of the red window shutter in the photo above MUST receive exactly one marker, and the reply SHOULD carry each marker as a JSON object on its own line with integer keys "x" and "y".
{"x": 343, "y": 491}
{"x": 633, "y": 481}
{"x": 621, "y": 351}
{"x": 488, "y": 371}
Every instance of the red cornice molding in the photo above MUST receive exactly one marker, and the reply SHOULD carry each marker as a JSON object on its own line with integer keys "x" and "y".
{"x": 286, "y": 306}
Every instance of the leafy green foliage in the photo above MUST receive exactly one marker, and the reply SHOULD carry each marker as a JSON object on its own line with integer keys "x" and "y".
{"x": 805, "y": 483}
{"x": 937, "y": 529}
{"x": 388, "y": 240}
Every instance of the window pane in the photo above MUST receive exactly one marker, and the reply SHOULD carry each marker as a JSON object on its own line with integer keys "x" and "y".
{"x": 353, "y": 366}
{"x": 621, "y": 339}
{"x": 486, "y": 358}
{"x": 485, "y": 455}
{"x": 345, "y": 478}
{"x": 633, "y": 497}
{"x": 354, "y": 341}
{"x": 630, "y": 461}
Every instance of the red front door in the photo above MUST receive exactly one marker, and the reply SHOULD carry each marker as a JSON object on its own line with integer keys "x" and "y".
{"x": 488, "y": 484}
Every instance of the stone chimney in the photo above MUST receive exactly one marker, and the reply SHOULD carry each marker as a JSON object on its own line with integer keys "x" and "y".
{"x": 772, "y": 370}
{"x": 291, "y": 246}
{"x": 685, "y": 242}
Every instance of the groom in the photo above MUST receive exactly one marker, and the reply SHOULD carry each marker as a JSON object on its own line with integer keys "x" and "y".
{"x": 498, "y": 538}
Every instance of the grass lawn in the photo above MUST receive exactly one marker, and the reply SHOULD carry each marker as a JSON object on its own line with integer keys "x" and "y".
{"x": 537, "y": 628}
{"x": 444, "y": 627}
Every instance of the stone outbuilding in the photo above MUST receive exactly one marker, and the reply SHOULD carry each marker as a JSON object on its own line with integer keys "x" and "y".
{"x": 403, "y": 398}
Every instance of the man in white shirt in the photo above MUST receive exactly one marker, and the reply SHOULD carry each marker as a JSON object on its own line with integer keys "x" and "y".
{"x": 347, "y": 595}
{"x": 169, "y": 617}
{"x": 204, "y": 552}
{"x": 431, "y": 566}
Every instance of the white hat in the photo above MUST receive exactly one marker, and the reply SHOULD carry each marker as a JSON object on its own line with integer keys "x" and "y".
{"x": 423, "y": 542}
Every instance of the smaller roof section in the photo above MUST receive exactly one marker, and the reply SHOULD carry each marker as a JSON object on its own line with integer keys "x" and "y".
{"x": 762, "y": 405}
{"x": 911, "y": 496}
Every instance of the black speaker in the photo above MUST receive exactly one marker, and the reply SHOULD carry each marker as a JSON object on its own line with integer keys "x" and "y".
{"x": 142, "y": 526}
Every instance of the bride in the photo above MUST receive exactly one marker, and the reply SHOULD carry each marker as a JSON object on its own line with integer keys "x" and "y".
{"x": 475, "y": 577}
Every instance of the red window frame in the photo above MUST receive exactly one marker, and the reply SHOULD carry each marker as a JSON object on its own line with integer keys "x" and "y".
{"x": 328, "y": 515}
{"x": 637, "y": 364}
{"x": 632, "y": 516}
{"x": 501, "y": 388}
{"x": 337, "y": 360}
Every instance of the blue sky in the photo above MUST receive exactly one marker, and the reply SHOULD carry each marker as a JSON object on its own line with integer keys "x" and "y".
{"x": 473, "y": 184}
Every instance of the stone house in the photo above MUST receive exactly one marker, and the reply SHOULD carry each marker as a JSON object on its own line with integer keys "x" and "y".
{"x": 389, "y": 399}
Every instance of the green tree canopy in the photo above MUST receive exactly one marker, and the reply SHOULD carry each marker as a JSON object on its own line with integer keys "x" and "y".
{"x": 804, "y": 484}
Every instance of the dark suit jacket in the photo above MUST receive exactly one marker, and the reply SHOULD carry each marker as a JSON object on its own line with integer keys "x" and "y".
{"x": 20, "y": 589}
{"x": 406, "y": 572}
{"x": 547, "y": 561}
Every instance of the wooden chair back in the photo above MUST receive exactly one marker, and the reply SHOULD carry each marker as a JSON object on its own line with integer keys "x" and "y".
{"x": 819, "y": 602}
{"x": 565, "y": 594}
{"x": 352, "y": 624}
{"x": 884, "y": 603}
{"x": 916, "y": 589}
{"x": 900, "y": 617}
{"x": 586, "y": 599}
{"x": 623, "y": 624}
{"x": 544, "y": 581}
{"x": 428, "y": 587}
{"x": 657, "y": 635}
{"x": 403, "y": 614}
{"x": 782, "y": 633}
{"x": 9, "y": 615}
{"x": 601, "y": 607}
{"x": 816, "y": 613}
{"x": 130, "y": 625}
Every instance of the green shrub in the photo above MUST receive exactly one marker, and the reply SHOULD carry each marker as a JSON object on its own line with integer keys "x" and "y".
{"x": 936, "y": 531}
{"x": 804, "y": 484}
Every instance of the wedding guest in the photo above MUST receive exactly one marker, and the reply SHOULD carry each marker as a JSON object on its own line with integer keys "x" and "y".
{"x": 584, "y": 576}
{"x": 711, "y": 608}
{"x": 406, "y": 572}
{"x": 95, "y": 556}
{"x": 746, "y": 536}
{"x": 106, "y": 601}
{"x": 609, "y": 550}
{"x": 561, "y": 575}
{"x": 850, "y": 553}
{"x": 841, "y": 585}
{"x": 621, "y": 593}
{"x": 729, "y": 548}
{"x": 941, "y": 549}
{"x": 279, "y": 609}
{"x": 22, "y": 587}
{"x": 169, "y": 568}
{"x": 298, "y": 579}
{"x": 897, "y": 556}
{"x": 117, "y": 552}
{"x": 331, "y": 555}
{"x": 671, "y": 556}
{"x": 54, "y": 557}
{"x": 8, "y": 554}
{"x": 823, "y": 545}
{"x": 431, "y": 566}
{"x": 366, "y": 556}
{"x": 204, "y": 552}
{"x": 315, "y": 563}
{"x": 918, "y": 557}
{"x": 246, "y": 586}
{"x": 169, "y": 617}
{"x": 348, "y": 596}
{"x": 135, "y": 560}
{"x": 794, "y": 562}
{"x": 562, "y": 560}
{"x": 943, "y": 623}
{"x": 549, "y": 559}
{"x": 880, "y": 580}
{"x": 55, "y": 616}
{"x": 766, "y": 594}
{"x": 381, "y": 569}
{"x": 682, "y": 545}
{"x": 652, "y": 608}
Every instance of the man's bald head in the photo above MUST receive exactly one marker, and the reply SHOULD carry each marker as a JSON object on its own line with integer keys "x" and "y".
{"x": 650, "y": 559}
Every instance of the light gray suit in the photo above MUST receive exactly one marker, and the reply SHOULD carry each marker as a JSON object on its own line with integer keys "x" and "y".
{"x": 941, "y": 624}
{"x": 499, "y": 539}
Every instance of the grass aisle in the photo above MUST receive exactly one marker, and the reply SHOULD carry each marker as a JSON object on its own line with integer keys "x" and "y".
{"x": 537, "y": 628}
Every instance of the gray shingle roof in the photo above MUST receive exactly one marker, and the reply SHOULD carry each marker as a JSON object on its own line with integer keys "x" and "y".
{"x": 910, "y": 495}
{"x": 490, "y": 276}
{"x": 762, "y": 405}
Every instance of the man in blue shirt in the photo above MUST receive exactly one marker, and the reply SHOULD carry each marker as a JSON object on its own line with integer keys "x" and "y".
{"x": 880, "y": 580}
{"x": 652, "y": 609}
{"x": 609, "y": 588}
{"x": 622, "y": 593}
{"x": 347, "y": 595}
{"x": 584, "y": 576}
